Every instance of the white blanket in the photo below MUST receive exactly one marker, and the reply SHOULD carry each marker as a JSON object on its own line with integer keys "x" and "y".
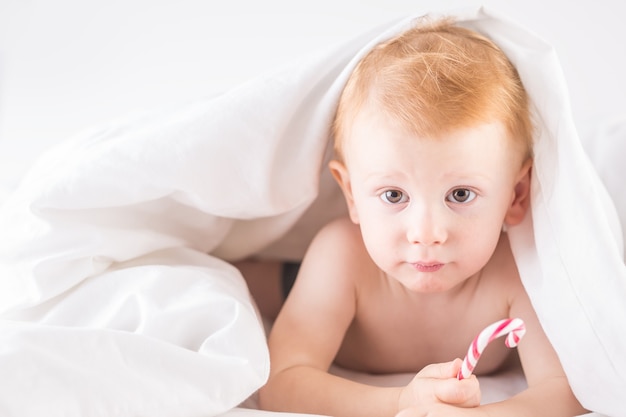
{"x": 116, "y": 297}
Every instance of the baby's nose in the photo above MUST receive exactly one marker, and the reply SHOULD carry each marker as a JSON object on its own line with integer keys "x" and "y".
{"x": 426, "y": 228}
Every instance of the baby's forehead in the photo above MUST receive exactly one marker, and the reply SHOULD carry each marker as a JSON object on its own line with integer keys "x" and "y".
{"x": 377, "y": 121}
{"x": 371, "y": 137}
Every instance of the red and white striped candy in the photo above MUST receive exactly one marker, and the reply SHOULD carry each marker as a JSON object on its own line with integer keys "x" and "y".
{"x": 515, "y": 329}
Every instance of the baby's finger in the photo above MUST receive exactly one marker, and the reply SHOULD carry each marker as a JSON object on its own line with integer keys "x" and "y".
{"x": 465, "y": 393}
{"x": 441, "y": 370}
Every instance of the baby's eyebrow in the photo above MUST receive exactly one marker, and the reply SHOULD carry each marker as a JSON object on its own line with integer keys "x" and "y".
{"x": 385, "y": 175}
{"x": 468, "y": 176}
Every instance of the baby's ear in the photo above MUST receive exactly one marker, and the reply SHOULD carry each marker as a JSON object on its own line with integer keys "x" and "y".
{"x": 521, "y": 200}
{"x": 341, "y": 175}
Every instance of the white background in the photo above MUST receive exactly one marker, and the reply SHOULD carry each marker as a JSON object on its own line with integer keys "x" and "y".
{"x": 66, "y": 65}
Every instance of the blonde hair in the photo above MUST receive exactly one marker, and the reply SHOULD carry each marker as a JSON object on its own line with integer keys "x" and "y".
{"x": 434, "y": 78}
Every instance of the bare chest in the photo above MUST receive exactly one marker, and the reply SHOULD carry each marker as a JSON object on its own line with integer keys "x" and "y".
{"x": 391, "y": 334}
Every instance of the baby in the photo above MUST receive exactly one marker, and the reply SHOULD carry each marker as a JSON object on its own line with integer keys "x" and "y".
{"x": 433, "y": 142}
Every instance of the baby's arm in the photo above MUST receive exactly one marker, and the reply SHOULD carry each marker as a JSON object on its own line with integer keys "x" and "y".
{"x": 308, "y": 334}
{"x": 549, "y": 392}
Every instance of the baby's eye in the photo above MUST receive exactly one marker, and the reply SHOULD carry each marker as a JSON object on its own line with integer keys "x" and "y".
{"x": 461, "y": 195}
{"x": 393, "y": 197}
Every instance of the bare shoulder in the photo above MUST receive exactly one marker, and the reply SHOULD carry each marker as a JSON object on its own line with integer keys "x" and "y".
{"x": 336, "y": 256}
{"x": 341, "y": 241}
{"x": 341, "y": 230}
{"x": 537, "y": 355}
{"x": 499, "y": 285}
{"x": 322, "y": 301}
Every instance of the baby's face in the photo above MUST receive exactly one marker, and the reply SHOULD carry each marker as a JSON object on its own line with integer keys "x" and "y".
{"x": 431, "y": 210}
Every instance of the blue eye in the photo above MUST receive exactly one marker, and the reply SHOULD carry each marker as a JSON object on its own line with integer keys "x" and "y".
{"x": 393, "y": 197}
{"x": 461, "y": 195}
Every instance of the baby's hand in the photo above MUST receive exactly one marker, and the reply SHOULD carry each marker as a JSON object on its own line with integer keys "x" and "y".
{"x": 436, "y": 384}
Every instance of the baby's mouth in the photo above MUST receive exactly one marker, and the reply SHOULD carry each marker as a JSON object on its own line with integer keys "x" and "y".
{"x": 427, "y": 266}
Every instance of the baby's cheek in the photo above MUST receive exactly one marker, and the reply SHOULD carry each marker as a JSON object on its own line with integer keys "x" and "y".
{"x": 380, "y": 248}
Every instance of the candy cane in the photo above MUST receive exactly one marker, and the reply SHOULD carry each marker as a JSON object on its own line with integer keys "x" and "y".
{"x": 515, "y": 329}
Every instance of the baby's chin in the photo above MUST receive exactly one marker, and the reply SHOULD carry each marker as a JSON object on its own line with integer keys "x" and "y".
{"x": 420, "y": 282}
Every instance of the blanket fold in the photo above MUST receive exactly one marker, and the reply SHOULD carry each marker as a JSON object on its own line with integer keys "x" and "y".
{"x": 116, "y": 295}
